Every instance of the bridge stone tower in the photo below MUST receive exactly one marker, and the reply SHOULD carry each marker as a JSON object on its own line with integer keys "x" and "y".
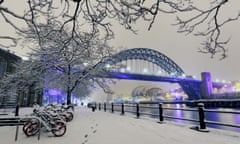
{"x": 206, "y": 85}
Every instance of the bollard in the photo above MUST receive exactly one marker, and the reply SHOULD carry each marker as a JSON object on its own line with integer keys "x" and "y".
{"x": 17, "y": 110}
{"x": 112, "y": 108}
{"x": 160, "y": 112}
{"x": 137, "y": 110}
{"x": 99, "y": 106}
{"x": 95, "y": 105}
{"x": 105, "y": 107}
{"x": 201, "y": 118}
{"x": 122, "y": 109}
{"x": 93, "y": 108}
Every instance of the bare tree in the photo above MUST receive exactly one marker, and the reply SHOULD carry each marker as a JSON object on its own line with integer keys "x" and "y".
{"x": 68, "y": 61}
{"x": 204, "y": 18}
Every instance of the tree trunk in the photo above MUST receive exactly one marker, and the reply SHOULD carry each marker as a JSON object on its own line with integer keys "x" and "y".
{"x": 68, "y": 96}
{"x": 68, "y": 86}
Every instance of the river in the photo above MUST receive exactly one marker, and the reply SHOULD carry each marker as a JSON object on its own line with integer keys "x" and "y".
{"x": 209, "y": 116}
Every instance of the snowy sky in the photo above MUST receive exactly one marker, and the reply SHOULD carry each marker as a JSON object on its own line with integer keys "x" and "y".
{"x": 180, "y": 48}
{"x": 164, "y": 38}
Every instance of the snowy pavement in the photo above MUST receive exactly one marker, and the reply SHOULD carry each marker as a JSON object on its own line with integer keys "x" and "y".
{"x": 106, "y": 128}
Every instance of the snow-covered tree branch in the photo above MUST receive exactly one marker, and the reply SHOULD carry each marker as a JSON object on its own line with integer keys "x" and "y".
{"x": 68, "y": 60}
{"x": 201, "y": 18}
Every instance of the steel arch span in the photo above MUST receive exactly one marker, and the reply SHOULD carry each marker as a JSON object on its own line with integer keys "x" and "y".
{"x": 149, "y": 55}
{"x": 191, "y": 87}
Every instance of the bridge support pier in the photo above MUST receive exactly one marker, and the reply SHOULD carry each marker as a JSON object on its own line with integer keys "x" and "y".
{"x": 206, "y": 88}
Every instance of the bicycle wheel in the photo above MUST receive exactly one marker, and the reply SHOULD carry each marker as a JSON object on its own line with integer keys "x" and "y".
{"x": 69, "y": 116}
{"x": 59, "y": 128}
{"x": 31, "y": 128}
{"x": 26, "y": 125}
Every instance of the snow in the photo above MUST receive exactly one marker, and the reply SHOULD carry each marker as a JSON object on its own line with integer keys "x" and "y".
{"x": 101, "y": 127}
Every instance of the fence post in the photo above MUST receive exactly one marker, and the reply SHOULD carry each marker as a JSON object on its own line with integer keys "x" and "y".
{"x": 17, "y": 110}
{"x": 112, "y": 108}
{"x": 201, "y": 118}
{"x": 137, "y": 110}
{"x": 160, "y": 112}
{"x": 17, "y": 127}
{"x": 105, "y": 107}
{"x": 99, "y": 106}
{"x": 122, "y": 108}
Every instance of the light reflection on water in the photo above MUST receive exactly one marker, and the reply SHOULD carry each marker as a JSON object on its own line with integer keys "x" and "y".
{"x": 209, "y": 116}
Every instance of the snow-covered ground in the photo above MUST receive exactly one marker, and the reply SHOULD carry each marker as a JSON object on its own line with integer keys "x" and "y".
{"x": 105, "y": 128}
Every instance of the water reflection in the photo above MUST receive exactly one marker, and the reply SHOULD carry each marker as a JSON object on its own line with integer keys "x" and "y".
{"x": 212, "y": 116}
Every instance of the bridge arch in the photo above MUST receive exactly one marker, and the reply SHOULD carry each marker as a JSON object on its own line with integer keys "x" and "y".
{"x": 149, "y": 55}
{"x": 191, "y": 87}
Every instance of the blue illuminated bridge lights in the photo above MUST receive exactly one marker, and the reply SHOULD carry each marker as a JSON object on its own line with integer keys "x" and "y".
{"x": 148, "y": 55}
{"x": 150, "y": 65}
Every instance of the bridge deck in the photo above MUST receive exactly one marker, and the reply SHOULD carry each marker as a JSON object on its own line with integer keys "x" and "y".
{"x": 105, "y": 128}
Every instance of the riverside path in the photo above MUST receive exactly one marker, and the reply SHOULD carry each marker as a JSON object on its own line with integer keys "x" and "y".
{"x": 101, "y": 127}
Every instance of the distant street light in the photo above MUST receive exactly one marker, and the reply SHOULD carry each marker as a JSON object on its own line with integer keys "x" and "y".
{"x": 145, "y": 70}
{"x": 159, "y": 72}
{"x": 108, "y": 66}
{"x": 25, "y": 58}
{"x": 122, "y": 70}
{"x": 128, "y": 68}
{"x": 183, "y": 75}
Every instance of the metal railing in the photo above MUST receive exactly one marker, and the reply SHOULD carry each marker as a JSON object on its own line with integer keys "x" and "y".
{"x": 17, "y": 121}
{"x": 159, "y": 109}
